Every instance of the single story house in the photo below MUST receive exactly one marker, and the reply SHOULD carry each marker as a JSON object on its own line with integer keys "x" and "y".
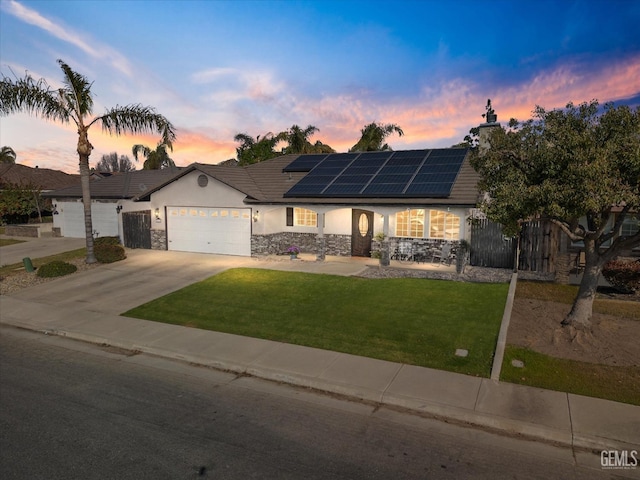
{"x": 327, "y": 204}
{"x": 109, "y": 195}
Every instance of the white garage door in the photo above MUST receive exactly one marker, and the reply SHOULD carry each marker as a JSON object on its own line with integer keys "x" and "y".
{"x": 104, "y": 219}
{"x": 209, "y": 230}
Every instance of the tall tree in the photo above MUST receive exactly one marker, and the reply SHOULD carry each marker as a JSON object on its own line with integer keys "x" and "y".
{"x": 298, "y": 141}
{"x": 111, "y": 163}
{"x": 320, "y": 147}
{"x": 254, "y": 150}
{"x": 7, "y": 155}
{"x": 373, "y": 136}
{"x": 74, "y": 103}
{"x": 572, "y": 166}
{"x": 154, "y": 159}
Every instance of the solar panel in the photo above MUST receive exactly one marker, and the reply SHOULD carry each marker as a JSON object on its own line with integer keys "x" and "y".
{"x": 428, "y": 190}
{"x": 304, "y": 163}
{"x": 384, "y": 190}
{"x": 346, "y": 189}
{"x": 411, "y": 173}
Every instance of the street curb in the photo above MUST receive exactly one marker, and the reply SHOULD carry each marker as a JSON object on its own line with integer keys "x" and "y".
{"x": 500, "y": 425}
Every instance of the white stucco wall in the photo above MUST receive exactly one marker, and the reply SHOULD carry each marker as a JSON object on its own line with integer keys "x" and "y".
{"x": 272, "y": 219}
{"x": 70, "y": 218}
{"x": 186, "y": 192}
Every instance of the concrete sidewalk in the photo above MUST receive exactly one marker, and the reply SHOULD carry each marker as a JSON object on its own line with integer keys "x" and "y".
{"x": 36, "y": 248}
{"x": 86, "y": 307}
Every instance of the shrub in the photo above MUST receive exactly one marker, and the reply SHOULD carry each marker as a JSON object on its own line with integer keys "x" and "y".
{"x": 623, "y": 275}
{"x": 56, "y": 269}
{"x": 107, "y": 241}
{"x": 106, "y": 253}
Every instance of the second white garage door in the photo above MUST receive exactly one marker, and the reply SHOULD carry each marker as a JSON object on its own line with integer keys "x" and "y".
{"x": 209, "y": 230}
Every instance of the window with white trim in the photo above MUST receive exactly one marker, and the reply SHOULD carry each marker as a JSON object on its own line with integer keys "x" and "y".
{"x": 410, "y": 223}
{"x": 303, "y": 217}
{"x": 444, "y": 225}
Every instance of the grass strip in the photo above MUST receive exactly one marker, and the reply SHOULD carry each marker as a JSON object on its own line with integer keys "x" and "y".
{"x": 37, "y": 262}
{"x": 620, "y": 384}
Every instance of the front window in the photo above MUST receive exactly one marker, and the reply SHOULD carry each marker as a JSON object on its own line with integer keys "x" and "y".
{"x": 303, "y": 217}
{"x": 630, "y": 226}
{"x": 444, "y": 225}
{"x": 410, "y": 223}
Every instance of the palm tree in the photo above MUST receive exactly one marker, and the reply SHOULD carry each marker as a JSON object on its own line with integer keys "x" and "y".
{"x": 373, "y": 135}
{"x": 7, "y": 155}
{"x": 320, "y": 147}
{"x": 74, "y": 103}
{"x": 254, "y": 150}
{"x": 154, "y": 159}
{"x": 298, "y": 139}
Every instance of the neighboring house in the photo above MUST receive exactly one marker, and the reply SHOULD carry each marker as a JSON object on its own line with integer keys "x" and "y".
{"x": 326, "y": 204}
{"x": 43, "y": 178}
{"x": 35, "y": 179}
{"x": 110, "y": 195}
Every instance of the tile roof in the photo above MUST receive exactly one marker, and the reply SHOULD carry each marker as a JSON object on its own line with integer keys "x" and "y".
{"x": 264, "y": 182}
{"x": 43, "y": 178}
{"x": 117, "y": 186}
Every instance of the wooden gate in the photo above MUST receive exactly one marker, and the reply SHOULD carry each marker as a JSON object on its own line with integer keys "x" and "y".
{"x": 489, "y": 246}
{"x": 539, "y": 246}
{"x": 136, "y": 227}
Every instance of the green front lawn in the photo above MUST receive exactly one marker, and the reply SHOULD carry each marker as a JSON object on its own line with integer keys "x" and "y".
{"x": 414, "y": 321}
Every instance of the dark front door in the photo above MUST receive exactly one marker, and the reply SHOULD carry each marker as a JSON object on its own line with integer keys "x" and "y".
{"x": 361, "y": 233}
{"x": 136, "y": 229}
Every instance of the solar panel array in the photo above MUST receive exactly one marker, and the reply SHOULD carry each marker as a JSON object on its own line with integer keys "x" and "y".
{"x": 412, "y": 173}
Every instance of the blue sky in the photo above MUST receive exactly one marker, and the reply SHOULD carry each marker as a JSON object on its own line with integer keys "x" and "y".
{"x": 218, "y": 68}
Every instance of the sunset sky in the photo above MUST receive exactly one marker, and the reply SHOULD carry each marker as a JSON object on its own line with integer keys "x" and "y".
{"x": 218, "y": 68}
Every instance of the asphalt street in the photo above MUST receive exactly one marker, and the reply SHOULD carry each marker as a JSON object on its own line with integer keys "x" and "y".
{"x": 71, "y": 410}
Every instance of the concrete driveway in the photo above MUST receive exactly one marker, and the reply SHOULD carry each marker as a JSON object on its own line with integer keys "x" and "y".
{"x": 117, "y": 287}
{"x": 148, "y": 274}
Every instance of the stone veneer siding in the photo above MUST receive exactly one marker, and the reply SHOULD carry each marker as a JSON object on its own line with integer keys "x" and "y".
{"x": 278, "y": 243}
{"x": 158, "y": 240}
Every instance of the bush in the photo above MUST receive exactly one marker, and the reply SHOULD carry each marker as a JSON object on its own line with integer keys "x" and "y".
{"x": 56, "y": 269}
{"x": 108, "y": 253}
{"x": 107, "y": 241}
{"x": 623, "y": 275}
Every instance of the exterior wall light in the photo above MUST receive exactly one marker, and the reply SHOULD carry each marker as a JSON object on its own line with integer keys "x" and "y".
{"x": 256, "y": 216}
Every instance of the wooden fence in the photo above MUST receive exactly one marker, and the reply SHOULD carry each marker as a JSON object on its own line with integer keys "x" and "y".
{"x": 539, "y": 246}
{"x": 489, "y": 246}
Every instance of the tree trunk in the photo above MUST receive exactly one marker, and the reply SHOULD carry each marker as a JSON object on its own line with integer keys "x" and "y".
{"x": 84, "y": 150}
{"x": 580, "y": 315}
